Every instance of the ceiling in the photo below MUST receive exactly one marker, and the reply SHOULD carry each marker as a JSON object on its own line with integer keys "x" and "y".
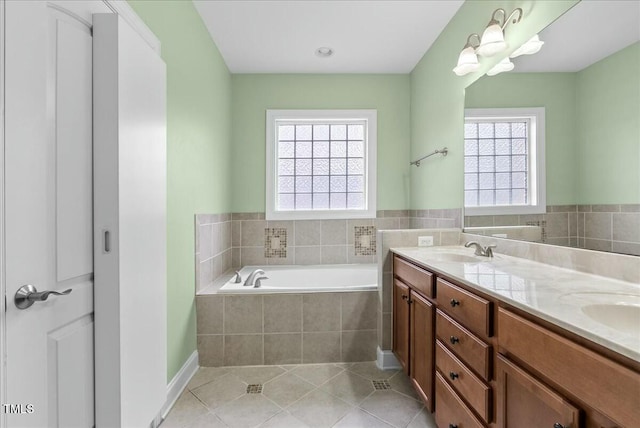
{"x": 587, "y": 33}
{"x": 366, "y": 36}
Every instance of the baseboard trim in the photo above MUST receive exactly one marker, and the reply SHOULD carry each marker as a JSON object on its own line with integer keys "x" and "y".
{"x": 179, "y": 383}
{"x": 386, "y": 360}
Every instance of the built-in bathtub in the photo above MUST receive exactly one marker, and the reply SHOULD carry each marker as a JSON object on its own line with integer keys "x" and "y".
{"x": 301, "y": 314}
{"x": 306, "y": 279}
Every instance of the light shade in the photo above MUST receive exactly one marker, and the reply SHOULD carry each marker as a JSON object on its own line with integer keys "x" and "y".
{"x": 492, "y": 41}
{"x": 467, "y": 62}
{"x": 502, "y": 66}
{"x": 532, "y": 46}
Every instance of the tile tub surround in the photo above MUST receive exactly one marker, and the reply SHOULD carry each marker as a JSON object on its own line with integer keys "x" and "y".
{"x": 300, "y": 396}
{"x": 213, "y": 253}
{"x": 388, "y": 239}
{"x": 612, "y": 228}
{"x": 299, "y": 328}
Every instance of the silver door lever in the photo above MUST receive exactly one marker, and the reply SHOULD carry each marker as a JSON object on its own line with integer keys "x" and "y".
{"x": 28, "y": 294}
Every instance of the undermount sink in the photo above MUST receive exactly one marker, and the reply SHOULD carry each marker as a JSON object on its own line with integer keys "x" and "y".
{"x": 621, "y": 316}
{"x": 619, "y": 311}
{"x": 455, "y": 257}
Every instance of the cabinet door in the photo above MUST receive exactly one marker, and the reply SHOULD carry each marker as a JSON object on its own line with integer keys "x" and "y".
{"x": 421, "y": 327}
{"x": 401, "y": 324}
{"x": 524, "y": 402}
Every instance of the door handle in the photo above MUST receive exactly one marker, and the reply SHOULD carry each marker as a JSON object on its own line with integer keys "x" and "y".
{"x": 28, "y": 294}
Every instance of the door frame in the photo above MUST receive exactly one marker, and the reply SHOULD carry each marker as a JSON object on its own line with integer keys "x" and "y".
{"x": 125, "y": 11}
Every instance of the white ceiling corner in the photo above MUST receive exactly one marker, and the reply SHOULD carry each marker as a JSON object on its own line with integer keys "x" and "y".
{"x": 271, "y": 36}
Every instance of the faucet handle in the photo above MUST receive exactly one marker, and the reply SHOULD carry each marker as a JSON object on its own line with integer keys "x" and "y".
{"x": 489, "y": 250}
{"x": 238, "y": 278}
{"x": 258, "y": 282}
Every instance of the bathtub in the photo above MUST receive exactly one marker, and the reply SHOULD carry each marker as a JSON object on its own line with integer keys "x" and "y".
{"x": 308, "y": 279}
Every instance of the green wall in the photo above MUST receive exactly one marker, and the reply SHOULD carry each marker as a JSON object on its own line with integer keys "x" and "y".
{"x": 592, "y": 126}
{"x": 198, "y": 153}
{"x": 609, "y": 129}
{"x": 437, "y": 95}
{"x": 253, "y": 94}
{"x": 557, "y": 93}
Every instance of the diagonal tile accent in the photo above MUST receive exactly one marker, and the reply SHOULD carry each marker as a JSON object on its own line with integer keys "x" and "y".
{"x": 247, "y": 411}
{"x": 358, "y": 418}
{"x": 254, "y": 388}
{"x": 317, "y": 374}
{"x": 381, "y": 385}
{"x": 319, "y": 409}
{"x": 220, "y": 391}
{"x": 286, "y": 389}
{"x": 349, "y": 387}
{"x": 392, "y": 407}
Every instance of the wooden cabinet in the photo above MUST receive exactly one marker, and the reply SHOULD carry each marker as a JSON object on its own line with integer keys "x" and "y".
{"x": 401, "y": 324}
{"x": 479, "y": 362}
{"x": 421, "y": 349}
{"x": 413, "y": 331}
{"x": 524, "y": 401}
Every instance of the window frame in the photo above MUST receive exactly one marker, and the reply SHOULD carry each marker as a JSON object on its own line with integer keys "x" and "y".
{"x": 273, "y": 116}
{"x": 536, "y": 174}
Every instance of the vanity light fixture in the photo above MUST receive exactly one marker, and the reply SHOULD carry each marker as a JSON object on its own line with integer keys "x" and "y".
{"x": 492, "y": 41}
{"x": 502, "y": 66}
{"x": 532, "y": 46}
{"x": 468, "y": 60}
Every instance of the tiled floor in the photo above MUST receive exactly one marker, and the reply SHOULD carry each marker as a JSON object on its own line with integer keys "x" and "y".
{"x": 340, "y": 395}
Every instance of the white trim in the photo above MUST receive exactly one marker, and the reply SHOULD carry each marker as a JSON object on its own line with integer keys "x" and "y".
{"x": 179, "y": 383}
{"x": 3, "y": 297}
{"x": 386, "y": 360}
{"x": 536, "y": 160}
{"x": 369, "y": 116}
{"x": 126, "y": 12}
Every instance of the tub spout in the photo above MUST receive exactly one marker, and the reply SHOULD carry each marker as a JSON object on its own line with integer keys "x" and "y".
{"x": 259, "y": 281}
{"x": 249, "y": 282}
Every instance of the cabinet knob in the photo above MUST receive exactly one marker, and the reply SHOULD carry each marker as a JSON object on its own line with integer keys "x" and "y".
{"x": 558, "y": 425}
{"x": 453, "y": 375}
{"x": 405, "y": 297}
{"x": 454, "y": 340}
{"x": 453, "y": 426}
{"x": 454, "y": 303}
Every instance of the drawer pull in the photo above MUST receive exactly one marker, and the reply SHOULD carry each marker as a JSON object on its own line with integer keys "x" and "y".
{"x": 454, "y": 303}
{"x": 454, "y": 340}
{"x": 558, "y": 425}
{"x": 453, "y": 426}
{"x": 454, "y": 376}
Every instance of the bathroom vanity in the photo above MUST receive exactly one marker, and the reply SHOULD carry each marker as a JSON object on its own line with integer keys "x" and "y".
{"x": 505, "y": 342}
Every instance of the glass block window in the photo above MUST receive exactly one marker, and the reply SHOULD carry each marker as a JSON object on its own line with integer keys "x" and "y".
{"x": 320, "y": 167}
{"x": 502, "y": 161}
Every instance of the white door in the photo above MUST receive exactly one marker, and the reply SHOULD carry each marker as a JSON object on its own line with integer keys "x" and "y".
{"x": 48, "y": 212}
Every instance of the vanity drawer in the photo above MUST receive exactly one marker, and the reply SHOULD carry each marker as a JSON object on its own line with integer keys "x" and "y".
{"x": 472, "y": 311}
{"x": 451, "y": 410}
{"x": 467, "y": 384}
{"x": 419, "y": 279}
{"x": 609, "y": 387}
{"x": 475, "y": 353}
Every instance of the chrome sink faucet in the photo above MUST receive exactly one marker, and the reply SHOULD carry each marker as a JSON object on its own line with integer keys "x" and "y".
{"x": 250, "y": 281}
{"x": 480, "y": 250}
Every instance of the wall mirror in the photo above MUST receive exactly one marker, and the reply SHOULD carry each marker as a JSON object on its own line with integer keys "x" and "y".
{"x": 587, "y": 79}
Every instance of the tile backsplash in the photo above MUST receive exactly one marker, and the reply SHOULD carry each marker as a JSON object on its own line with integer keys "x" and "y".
{"x": 213, "y": 247}
{"x": 612, "y": 228}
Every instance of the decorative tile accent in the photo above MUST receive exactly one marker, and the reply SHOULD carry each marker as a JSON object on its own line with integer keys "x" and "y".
{"x": 255, "y": 388}
{"x": 365, "y": 240}
{"x": 275, "y": 242}
{"x": 381, "y": 384}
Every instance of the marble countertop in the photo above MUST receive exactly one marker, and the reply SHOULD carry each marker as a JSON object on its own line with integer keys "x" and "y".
{"x": 561, "y": 296}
